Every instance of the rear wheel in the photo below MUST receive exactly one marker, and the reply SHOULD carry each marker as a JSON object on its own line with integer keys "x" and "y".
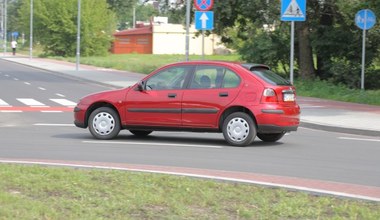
{"x": 140, "y": 133}
{"x": 104, "y": 123}
{"x": 270, "y": 137}
{"x": 239, "y": 129}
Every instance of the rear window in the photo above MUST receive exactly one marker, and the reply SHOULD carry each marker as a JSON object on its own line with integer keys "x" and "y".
{"x": 270, "y": 77}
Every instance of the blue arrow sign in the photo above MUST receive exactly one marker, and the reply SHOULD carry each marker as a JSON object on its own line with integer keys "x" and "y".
{"x": 204, "y": 20}
{"x": 365, "y": 19}
{"x": 293, "y": 10}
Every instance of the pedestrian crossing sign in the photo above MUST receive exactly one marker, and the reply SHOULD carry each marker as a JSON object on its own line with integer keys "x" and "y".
{"x": 293, "y": 10}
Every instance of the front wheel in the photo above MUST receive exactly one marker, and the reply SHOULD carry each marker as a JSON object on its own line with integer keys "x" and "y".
{"x": 239, "y": 129}
{"x": 104, "y": 123}
{"x": 270, "y": 137}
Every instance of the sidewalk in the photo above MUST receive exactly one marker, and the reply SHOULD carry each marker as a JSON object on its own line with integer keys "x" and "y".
{"x": 315, "y": 113}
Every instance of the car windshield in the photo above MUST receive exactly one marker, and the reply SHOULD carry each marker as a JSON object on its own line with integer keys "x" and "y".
{"x": 270, "y": 77}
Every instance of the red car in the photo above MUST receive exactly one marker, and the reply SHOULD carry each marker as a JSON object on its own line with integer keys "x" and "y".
{"x": 240, "y": 100}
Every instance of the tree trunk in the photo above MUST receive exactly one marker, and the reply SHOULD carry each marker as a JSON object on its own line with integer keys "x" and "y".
{"x": 305, "y": 58}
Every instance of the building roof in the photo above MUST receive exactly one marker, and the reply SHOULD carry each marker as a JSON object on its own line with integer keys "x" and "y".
{"x": 135, "y": 31}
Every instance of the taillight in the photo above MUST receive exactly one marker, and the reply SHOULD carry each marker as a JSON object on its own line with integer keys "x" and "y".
{"x": 269, "y": 95}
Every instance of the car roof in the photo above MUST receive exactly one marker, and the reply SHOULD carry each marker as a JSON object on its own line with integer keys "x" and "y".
{"x": 248, "y": 66}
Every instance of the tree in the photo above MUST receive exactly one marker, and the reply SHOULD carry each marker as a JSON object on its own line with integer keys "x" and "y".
{"x": 55, "y": 26}
{"x": 327, "y": 44}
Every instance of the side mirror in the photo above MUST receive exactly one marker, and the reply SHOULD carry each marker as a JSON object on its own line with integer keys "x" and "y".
{"x": 140, "y": 86}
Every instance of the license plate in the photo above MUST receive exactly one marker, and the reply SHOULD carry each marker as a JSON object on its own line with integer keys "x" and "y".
{"x": 288, "y": 97}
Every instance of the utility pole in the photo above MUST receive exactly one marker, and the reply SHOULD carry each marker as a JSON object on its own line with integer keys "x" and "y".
{"x": 31, "y": 31}
{"x": 187, "y": 29}
{"x": 78, "y": 37}
{"x": 5, "y": 25}
{"x": 2, "y": 22}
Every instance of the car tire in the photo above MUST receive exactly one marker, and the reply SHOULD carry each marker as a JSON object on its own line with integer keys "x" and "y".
{"x": 140, "y": 133}
{"x": 239, "y": 129}
{"x": 104, "y": 123}
{"x": 270, "y": 137}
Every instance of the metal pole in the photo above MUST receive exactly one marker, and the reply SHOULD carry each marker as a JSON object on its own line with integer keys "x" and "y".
{"x": 78, "y": 37}
{"x": 292, "y": 52}
{"x": 187, "y": 29}
{"x": 363, "y": 49}
{"x": 31, "y": 31}
{"x": 5, "y": 24}
{"x": 203, "y": 44}
{"x": 2, "y": 24}
{"x": 134, "y": 17}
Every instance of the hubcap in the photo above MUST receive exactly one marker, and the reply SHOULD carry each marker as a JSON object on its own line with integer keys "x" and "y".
{"x": 103, "y": 123}
{"x": 238, "y": 129}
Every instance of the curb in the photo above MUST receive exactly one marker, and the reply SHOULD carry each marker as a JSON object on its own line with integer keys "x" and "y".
{"x": 317, "y": 126}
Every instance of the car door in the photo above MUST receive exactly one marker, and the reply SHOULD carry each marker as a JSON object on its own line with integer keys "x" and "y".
{"x": 158, "y": 101}
{"x": 209, "y": 92}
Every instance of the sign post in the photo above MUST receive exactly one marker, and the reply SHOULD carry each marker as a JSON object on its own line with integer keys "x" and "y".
{"x": 364, "y": 19}
{"x": 293, "y": 10}
{"x": 204, "y": 19}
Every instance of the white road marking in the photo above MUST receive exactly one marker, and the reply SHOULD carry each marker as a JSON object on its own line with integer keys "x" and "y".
{"x": 31, "y": 102}
{"x": 15, "y": 79}
{"x": 27, "y": 83}
{"x": 4, "y": 104}
{"x": 148, "y": 143}
{"x": 41, "y": 88}
{"x": 51, "y": 111}
{"x": 60, "y": 95}
{"x": 54, "y": 125}
{"x": 10, "y": 111}
{"x": 359, "y": 139}
{"x": 64, "y": 102}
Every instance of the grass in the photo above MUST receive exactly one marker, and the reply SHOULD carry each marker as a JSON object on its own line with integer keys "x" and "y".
{"x": 142, "y": 63}
{"x": 38, "y": 192}
{"x": 327, "y": 90}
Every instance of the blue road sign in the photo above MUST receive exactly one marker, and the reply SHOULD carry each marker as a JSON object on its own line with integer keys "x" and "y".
{"x": 204, "y": 20}
{"x": 293, "y": 10}
{"x": 365, "y": 19}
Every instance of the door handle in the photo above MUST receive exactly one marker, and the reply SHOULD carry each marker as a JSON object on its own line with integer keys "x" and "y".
{"x": 172, "y": 95}
{"x": 223, "y": 94}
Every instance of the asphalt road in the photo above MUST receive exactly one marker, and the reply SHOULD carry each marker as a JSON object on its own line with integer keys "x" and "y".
{"x": 46, "y": 132}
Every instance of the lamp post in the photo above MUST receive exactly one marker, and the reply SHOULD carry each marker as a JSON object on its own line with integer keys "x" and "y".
{"x": 187, "y": 29}
{"x": 78, "y": 37}
{"x": 5, "y": 25}
{"x": 31, "y": 31}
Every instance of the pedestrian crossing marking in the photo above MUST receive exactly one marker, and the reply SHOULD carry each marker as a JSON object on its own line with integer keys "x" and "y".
{"x": 293, "y": 10}
{"x": 32, "y": 105}
{"x": 64, "y": 102}
{"x": 4, "y": 104}
{"x": 31, "y": 102}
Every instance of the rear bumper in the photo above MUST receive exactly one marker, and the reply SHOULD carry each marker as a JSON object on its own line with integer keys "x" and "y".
{"x": 275, "y": 119}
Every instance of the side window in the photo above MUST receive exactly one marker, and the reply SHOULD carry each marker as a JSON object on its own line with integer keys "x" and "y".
{"x": 168, "y": 79}
{"x": 230, "y": 80}
{"x": 205, "y": 77}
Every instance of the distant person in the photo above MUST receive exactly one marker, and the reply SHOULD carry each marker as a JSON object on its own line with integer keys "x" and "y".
{"x": 14, "y": 46}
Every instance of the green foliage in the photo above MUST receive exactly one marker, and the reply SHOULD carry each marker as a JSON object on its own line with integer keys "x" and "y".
{"x": 334, "y": 38}
{"x": 124, "y": 12}
{"x": 55, "y": 26}
{"x": 339, "y": 92}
